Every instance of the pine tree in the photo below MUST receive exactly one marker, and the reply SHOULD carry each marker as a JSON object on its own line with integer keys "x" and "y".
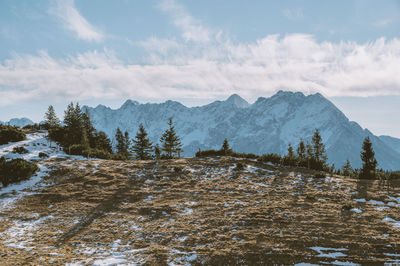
{"x": 319, "y": 158}
{"x": 171, "y": 143}
{"x": 225, "y": 147}
{"x": 318, "y": 147}
{"x": 347, "y": 170}
{"x": 74, "y": 124}
{"x": 68, "y": 115}
{"x": 301, "y": 150}
{"x": 142, "y": 147}
{"x": 309, "y": 154}
{"x": 369, "y": 165}
{"x": 120, "y": 141}
{"x": 102, "y": 142}
{"x": 88, "y": 127}
{"x": 127, "y": 143}
{"x": 51, "y": 118}
{"x": 157, "y": 152}
{"x": 289, "y": 158}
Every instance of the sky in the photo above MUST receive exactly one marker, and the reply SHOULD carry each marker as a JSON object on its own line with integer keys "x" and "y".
{"x": 195, "y": 52}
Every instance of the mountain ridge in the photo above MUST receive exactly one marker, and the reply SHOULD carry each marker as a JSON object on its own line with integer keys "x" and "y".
{"x": 266, "y": 126}
{"x": 20, "y": 122}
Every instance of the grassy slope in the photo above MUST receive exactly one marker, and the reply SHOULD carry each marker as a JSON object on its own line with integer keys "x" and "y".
{"x": 208, "y": 213}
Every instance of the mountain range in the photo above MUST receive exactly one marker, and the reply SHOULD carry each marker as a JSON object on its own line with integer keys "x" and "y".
{"x": 266, "y": 126}
{"x": 19, "y": 122}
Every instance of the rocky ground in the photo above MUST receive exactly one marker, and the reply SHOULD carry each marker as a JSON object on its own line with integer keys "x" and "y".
{"x": 198, "y": 211}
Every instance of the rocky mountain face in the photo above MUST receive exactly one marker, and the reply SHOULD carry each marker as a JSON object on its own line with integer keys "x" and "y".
{"x": 19, "y": 122}
{"x": 266, "y": 126}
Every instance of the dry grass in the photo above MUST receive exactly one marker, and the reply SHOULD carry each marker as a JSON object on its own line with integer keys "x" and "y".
{"x": 208, "y": 213}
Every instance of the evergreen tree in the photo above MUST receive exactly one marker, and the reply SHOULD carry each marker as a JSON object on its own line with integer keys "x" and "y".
{"x": 89, "y": 129}
{"x": 369, "y": 165}
{"x": 309, "y": 151}
{"x": 74, "y": 124}
{"x": 157, "y": 152}
{"x": 309, "y": 154}
{"x": 318, "y": 147}
{"x": 318, "y": 161}
{"x": 127, "y": 142}
{"x": 68, "y": 115}
{"x": 142, "y": 147}
{"x": 171, "y": 143}
{"x": 347, "y": 170}
{"x": 289, "y": 158}
{"x": 102, "y": 142}
{"x": 301, "y": 151}
{"x": 122, "y": 142}
{"x": 51, "y": 118}
{"x": 225, "y": 147}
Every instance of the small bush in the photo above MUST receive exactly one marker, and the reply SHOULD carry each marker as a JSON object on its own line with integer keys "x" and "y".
{"x": 101, "y": 154}
{"x": 178, "y": 169}
{"x": 270, "y": 157}
{"x": 16, "y": 170}
{"x": 76, "y": 149}
{"x": 207, "y": 153}
{"x": 10, "y": 134}
{"x": 20, "y": 150}
{"x": 239, "y": 166}
{"x": 43, "y": 155}
{"x": 320, "y": 175}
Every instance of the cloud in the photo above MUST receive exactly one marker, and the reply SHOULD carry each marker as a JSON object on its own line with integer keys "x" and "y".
{"x": 293, "y": 13}
{"x": 292, "y": 62}
{"x": 204, "y": 64}
{"x": 66, "y": 11}
{"x": 192, "y": 29}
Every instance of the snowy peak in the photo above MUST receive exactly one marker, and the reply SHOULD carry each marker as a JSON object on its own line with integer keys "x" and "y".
{"x": 128, "y": 104}
{"x": 237, "y": 101}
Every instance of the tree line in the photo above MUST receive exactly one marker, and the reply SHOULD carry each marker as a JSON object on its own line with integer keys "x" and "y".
{"x": 313, "y": 156}
{"x": 79, "y": 137}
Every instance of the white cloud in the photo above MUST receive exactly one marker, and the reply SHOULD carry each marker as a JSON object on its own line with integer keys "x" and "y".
{"x": 192, "y": 29}
{"x": 206, "y": 65}
{"x": 293, "y": 62}
{"x": 66, "y": 11}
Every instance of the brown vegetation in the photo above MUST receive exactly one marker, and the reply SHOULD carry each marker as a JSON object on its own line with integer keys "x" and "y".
{"x": 205, "y": 213}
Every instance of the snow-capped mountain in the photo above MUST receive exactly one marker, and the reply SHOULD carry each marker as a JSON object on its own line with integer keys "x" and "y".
{"x": 19, "y": 122}
{"x": 266, "y": 126}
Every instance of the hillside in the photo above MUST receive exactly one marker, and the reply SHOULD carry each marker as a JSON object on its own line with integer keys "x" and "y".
{"x": 266, "y": 126}
{"x": 146, "y": 212}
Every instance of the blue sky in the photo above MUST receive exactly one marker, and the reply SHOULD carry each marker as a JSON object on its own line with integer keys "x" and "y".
{"x": 99, "y": 51}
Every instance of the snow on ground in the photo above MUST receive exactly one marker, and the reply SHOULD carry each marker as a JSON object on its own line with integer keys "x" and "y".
{"x": 35, "y": 143}
{"x": 10, "y": 194}
{"x": 15, "y": 236}
{"x": 329, "y": 252}
{"x": 396, "y": 224}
